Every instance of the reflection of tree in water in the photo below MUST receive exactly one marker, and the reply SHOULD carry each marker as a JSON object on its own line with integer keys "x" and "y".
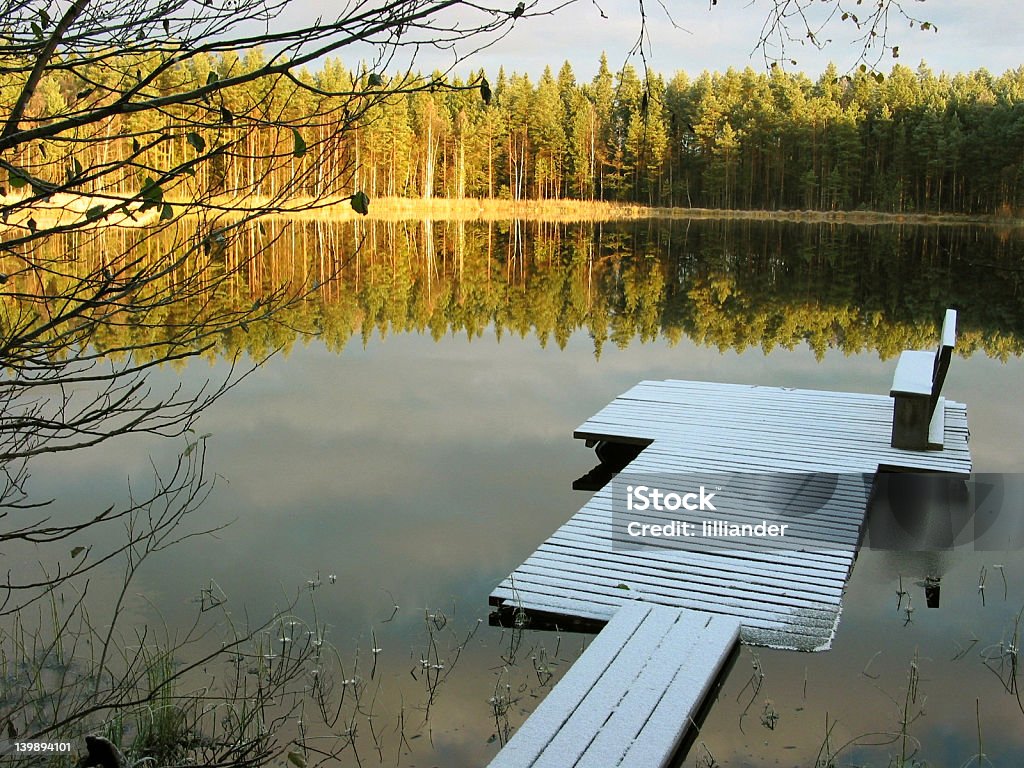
{"x": 726, "y": 284}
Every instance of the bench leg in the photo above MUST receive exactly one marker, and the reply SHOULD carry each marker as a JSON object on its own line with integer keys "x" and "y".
{"x": 910, "y": 417}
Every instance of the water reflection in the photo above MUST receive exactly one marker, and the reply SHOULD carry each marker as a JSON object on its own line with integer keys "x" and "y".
{"x": 724, "y": 284}
{"x": 421, "y": 472}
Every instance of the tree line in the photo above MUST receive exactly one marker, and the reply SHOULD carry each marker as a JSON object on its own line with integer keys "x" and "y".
{"x": 908, "y": 141}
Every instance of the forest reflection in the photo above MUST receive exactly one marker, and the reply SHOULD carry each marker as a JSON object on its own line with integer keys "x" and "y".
{"x": 725, "y": 284}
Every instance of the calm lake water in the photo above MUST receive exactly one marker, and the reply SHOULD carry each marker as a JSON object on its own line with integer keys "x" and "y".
{"x": 418, "y": 446}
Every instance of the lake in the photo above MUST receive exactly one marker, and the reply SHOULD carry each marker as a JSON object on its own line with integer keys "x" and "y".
{"x": 413, "y": 444}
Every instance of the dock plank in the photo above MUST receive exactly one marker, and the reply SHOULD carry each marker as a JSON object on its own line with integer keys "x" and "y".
{"x": 526, "y": 746}
{"x": 636, "y": 688}
{"x": 685, "y": 693}
{"x": 592, "y": 712}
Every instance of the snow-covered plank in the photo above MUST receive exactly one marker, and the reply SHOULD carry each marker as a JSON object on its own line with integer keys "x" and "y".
{"x": 604, "y": 597}
{"x": 913, "y": 374}
{"x": 789, "y": 415}
{"x": 791, "y": 636}
{"x": 550, "y": 716}
{"x": 667, "y": 660}
{"x": 710, "y": 569}
{"x": 783, "y": 572}
{"x": 667, "y": 590}
{"x": 591, "y": 713}
{"x": 687, "y": 691}
{"x": 773, "y": 428}
{"x": 948, "y": 333}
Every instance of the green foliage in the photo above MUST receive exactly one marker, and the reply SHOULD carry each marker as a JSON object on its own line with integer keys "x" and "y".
{"x": 360, "y": 203}
{"x": 152, "y": 195}
{"x": 75, "y": 169}
{"x": 18, "y": 179}
{"x": 298, "y": 143}
{"x": 197, "y": 142}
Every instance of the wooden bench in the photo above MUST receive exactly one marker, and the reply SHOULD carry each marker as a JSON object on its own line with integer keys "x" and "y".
{"x": 630, "y": 699}
{"x": 918, "y": 416}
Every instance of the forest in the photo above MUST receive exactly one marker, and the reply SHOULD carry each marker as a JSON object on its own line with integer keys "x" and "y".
{"x": 905, "y": 141}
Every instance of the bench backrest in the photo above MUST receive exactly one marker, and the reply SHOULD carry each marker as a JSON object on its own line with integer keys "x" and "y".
{"x": 947, "y": 341}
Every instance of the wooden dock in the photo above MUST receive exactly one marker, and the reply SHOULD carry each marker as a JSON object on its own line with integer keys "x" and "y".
{"x": 783, "y": 594}
{"x": 630, "y": 699}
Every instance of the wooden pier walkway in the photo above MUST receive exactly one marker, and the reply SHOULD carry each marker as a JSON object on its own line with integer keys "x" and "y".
{"x": 783, "y": 593}
{"x": 631, "y": 698}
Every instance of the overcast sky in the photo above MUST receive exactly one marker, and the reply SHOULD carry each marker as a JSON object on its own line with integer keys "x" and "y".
{"x": 972, "y": 34}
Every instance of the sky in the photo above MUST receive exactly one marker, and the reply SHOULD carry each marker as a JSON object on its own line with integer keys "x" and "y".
{"x": 697, "y": 36}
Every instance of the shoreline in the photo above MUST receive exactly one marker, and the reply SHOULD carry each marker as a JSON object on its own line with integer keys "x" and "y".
{"x": 67, "y": 209}
{"x": 572, "y": 210}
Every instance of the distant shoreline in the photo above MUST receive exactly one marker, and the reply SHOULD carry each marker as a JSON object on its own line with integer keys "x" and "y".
{"x": 67, "y": 209}
{"x": 571, "y": 210}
